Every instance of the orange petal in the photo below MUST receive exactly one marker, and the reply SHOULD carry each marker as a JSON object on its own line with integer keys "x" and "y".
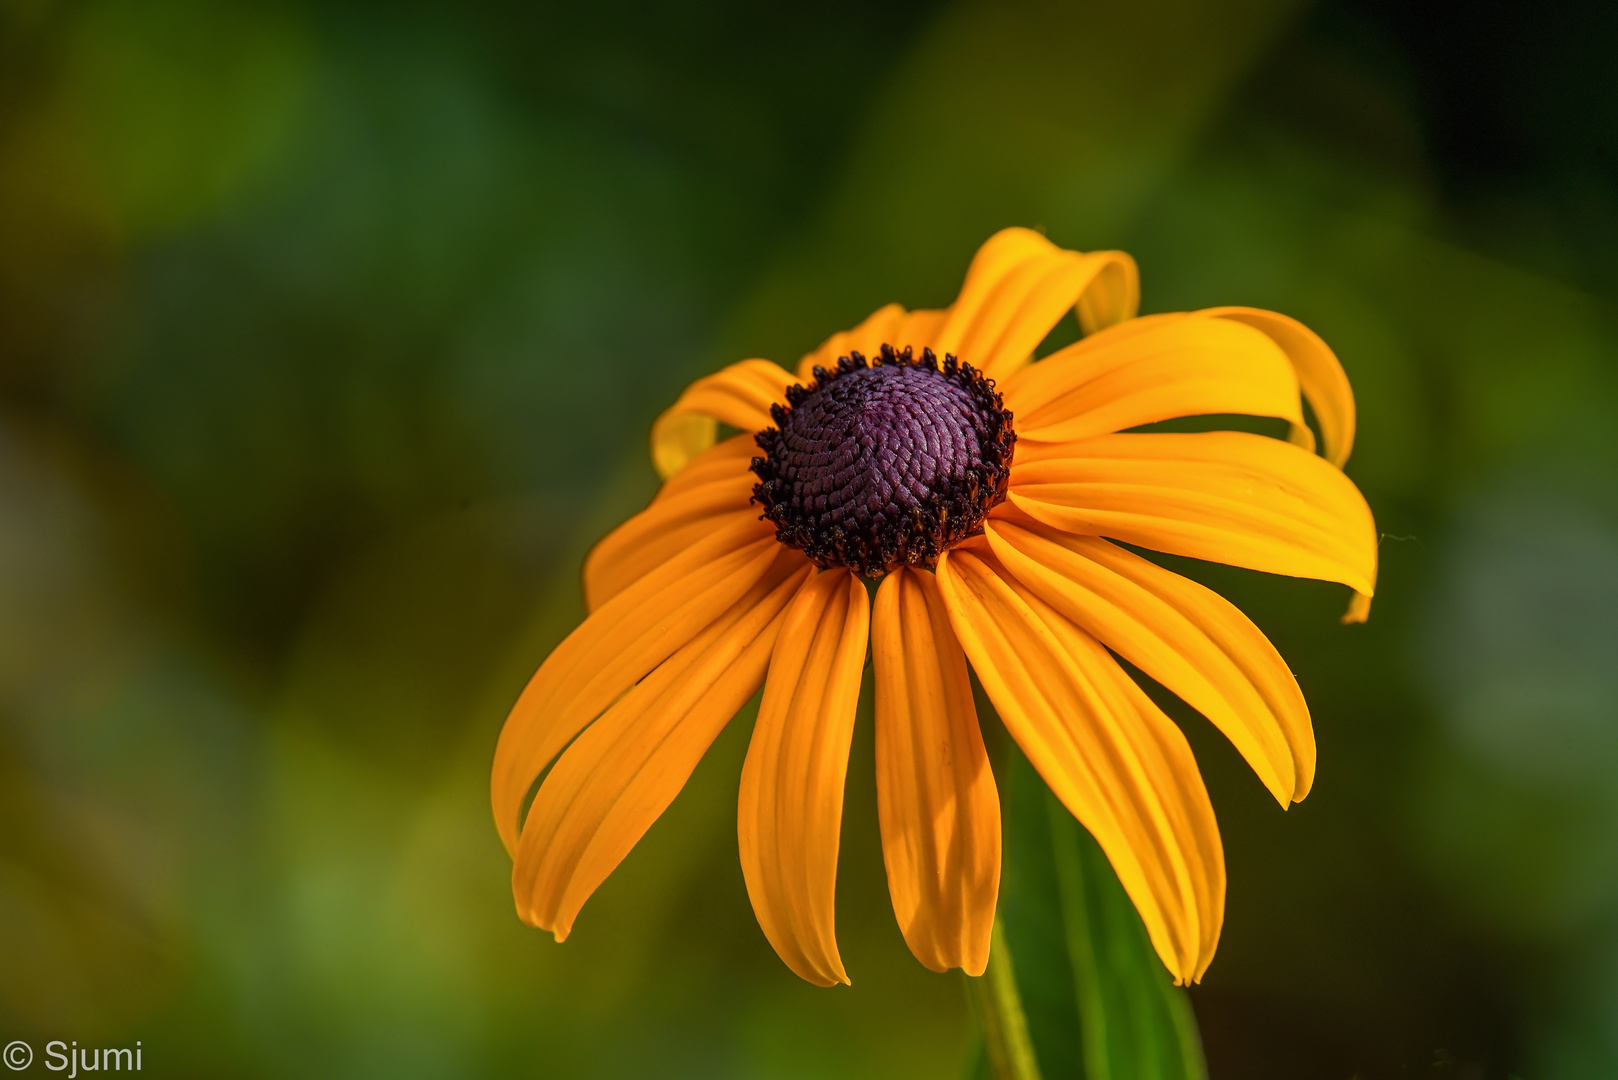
{"x": 890, "y": 325}
{"x": 1185, "y": 636}
{"x": 1326, "y": 386}
{"x": 615, "y": 647}
{"x": 1319, "y": 374}
{"x": 625, "y": 769}
{"x": 791, "y": 803}
{"x": 1116, "y": 762}
{"x": 1225, "y": 496}
{"x": 672, "y": 523}
{"x": 739, "y": 395}
{"x": 1019, "y": 285}
{"x": 730, "y": 458}
{"x": 936, "y": 797}
{"x": 879, "y": 328}
{"x": 920, "y": 330}
{"x": 1150, "y": 370}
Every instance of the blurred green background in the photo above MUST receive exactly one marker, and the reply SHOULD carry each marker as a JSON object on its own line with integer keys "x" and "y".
{"x": 330, "y": 335}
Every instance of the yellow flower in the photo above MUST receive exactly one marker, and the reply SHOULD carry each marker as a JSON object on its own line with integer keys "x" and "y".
{"x": 988, "y": 518}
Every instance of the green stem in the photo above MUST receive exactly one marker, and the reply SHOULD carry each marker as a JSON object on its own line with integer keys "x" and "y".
{"x": 998, "y": 1006}
{"x": 1080, "y": 936}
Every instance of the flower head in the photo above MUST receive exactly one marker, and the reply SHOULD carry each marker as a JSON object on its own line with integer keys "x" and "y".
{"x": 927, "y": 451}
{"x": 887, "y": 464}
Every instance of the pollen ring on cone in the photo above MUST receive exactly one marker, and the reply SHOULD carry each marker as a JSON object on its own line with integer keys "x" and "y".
{"x": 884, "y": 463}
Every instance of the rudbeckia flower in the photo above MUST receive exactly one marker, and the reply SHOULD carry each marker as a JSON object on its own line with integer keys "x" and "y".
{"x": 988, "y": 498}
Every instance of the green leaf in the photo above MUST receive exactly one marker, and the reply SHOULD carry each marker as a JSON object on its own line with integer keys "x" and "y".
{"x": 1004, "y": 1051}
{"x": 1099, "y": 1003}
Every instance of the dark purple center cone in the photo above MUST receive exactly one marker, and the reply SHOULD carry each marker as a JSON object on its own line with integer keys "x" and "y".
{"x": 884, "y": 463}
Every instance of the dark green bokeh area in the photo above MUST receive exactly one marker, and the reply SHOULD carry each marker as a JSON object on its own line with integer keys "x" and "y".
{"x": 330, "y": 336}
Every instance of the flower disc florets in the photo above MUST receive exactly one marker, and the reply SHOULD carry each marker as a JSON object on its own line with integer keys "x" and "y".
{"x": 884, "y": 463}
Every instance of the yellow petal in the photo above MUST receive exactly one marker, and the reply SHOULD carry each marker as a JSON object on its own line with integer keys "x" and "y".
{"x": 936, "y": 797}
{"x": 1113, "y": 295}
{"x": 879, "y": 328}
{"x": 1018, "y": 287}
{"x": 724, "y": 460}
{"x": 615, "y": 647}
{"x": 1150, "y": 370}
{"x": 1225, "y": 496}
{"x": 671, "y": 524}
{"x": 624, "y": 770}
{"x": 791, "y": 805}
{"x": 1187, "y": 637}
{"x": 1116, "y": 762}
{"x": 920, "y": 330}
{"x": 1319, "y": 374}
{"x": 890, "y": 325}
{"x": 739, "y": 395}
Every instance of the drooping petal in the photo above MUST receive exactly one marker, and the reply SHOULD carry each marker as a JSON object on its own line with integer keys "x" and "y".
{"x": 1145, "y": 371}
{"x": 739, "y": 395}
{"x": 1326, "y": 386}
{"x": 714, "y": 491}
{"x": 1018, "y": 287}
{"x": 615, "y": 647}
{"x": 936, "y": 797}
{"x": 790, "y": 808}
{"x": 1225, "y": 496}
{"x": 624, "y": 770}
{"x": 1113, "y": 295}
{"x": 1116, "y": 762}
{"x": 1187, "y": 637}
{"x": 1320, "y": 374}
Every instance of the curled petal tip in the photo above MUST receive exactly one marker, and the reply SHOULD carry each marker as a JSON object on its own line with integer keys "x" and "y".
{"x": 1359, "y": 609}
